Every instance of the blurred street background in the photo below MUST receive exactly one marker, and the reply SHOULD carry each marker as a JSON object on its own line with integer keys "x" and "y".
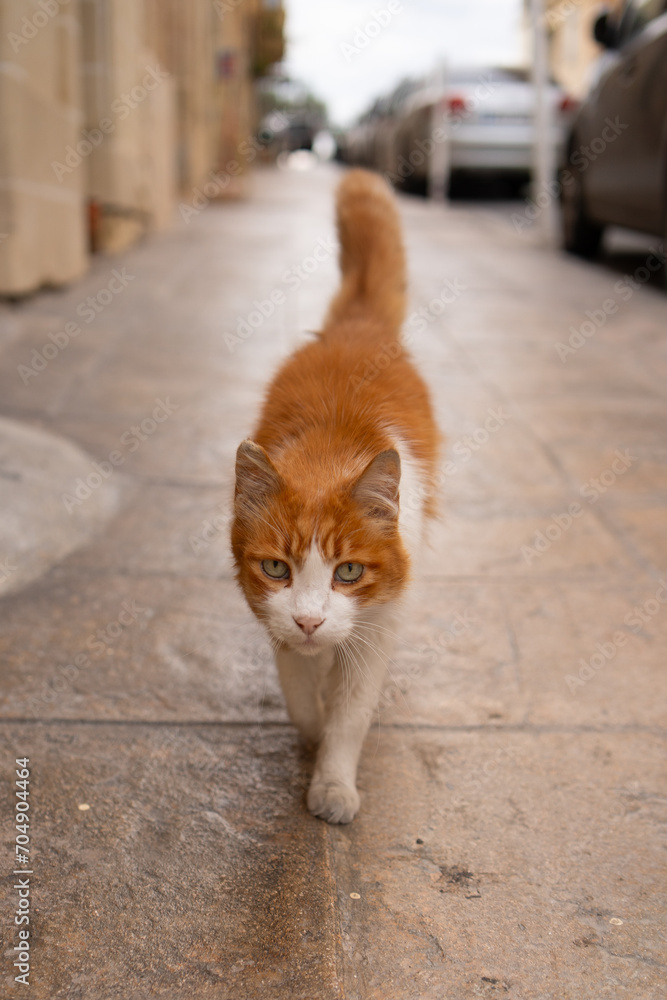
{"x": 167, "y": 178}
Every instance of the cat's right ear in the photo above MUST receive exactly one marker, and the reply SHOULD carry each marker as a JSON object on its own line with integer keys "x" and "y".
{"x": 256, "y": 477}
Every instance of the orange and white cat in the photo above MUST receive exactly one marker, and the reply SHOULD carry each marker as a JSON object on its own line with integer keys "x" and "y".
{"x": 320, "y": 539}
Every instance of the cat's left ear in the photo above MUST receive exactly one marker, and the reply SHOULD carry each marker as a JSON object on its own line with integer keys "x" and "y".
{"x": 376, "y": 489}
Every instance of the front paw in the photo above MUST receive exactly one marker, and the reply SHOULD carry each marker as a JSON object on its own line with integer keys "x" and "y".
{"x": 333, "y": 801}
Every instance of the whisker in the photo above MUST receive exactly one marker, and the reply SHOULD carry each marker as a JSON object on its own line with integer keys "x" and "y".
{"x": 388, "y": 661}
{"x": 380, "y": 628}
{"x": 378, "y": 692}
{"x": 399, "y": 639}
{"x": 376, "y": 648}
{"x": 346, "y": 668}
{"x": 361, "y": 667}
{"x": 367, "y": 675}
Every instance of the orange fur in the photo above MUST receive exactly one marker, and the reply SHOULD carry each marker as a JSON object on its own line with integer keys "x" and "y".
{"x": 372, "y": 260}
{"x": 322, "y": 423}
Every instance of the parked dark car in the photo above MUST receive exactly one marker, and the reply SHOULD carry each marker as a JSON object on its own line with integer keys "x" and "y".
{"x": 616, "y": 170}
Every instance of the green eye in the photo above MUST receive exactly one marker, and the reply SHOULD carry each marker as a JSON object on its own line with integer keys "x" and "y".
{"x": 349, "y": 572}
{"x": 275, "y": 568}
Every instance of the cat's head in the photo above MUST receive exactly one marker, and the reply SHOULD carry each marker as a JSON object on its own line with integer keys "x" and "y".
{"x": 314, "y": 563}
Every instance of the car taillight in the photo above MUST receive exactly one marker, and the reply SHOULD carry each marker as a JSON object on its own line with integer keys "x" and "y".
{"x": 567, "y": 104}
{"x": 457, "y": 105}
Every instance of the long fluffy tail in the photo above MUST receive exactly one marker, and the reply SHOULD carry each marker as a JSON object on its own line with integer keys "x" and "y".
{"x": 372, "y": 260}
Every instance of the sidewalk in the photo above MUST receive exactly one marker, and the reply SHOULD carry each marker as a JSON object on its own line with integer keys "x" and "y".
{"x": 511, "y": 839}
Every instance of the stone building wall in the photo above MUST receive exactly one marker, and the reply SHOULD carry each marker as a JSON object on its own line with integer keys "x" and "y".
{"x": 573, "y": 50}
{"x": 110, "y": 111}
{"x": 42, "y": 214}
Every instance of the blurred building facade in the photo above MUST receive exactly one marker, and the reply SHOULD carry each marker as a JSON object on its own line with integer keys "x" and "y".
{"x": 572, "y": 48}
{"x": 113, "y": 110}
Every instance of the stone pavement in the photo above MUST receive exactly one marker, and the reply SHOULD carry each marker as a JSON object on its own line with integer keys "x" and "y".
{"x": 511, "y": 841}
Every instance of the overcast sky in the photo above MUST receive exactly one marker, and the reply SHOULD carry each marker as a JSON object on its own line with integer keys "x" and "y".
{"x": 326, "y": 47}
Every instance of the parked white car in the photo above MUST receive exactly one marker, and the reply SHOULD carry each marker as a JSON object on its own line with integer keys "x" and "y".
{"x": 477, "y": 121}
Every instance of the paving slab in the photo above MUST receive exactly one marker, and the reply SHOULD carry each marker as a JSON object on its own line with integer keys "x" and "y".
{"x": 129, "y": 647}
{"x": 591, "y": 655}
{"x": 476, "y": 541}
{"x": 647, "y": 528}
{"x": 42, "y": 520}
{"x": 164, "y": 528}
{"x": 494, "y": 868}
{"x": 195, "y": 869}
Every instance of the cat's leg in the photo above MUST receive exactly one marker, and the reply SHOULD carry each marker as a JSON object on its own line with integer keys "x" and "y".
{"x": 351, "y": 700}
{"x": 302, "y": 679}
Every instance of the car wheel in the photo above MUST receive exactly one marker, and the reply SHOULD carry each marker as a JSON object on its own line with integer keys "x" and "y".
{"x": 581, "y": 235}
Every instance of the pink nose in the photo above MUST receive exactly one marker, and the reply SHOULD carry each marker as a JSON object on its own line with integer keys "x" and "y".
{"x": 308, "y": 625}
